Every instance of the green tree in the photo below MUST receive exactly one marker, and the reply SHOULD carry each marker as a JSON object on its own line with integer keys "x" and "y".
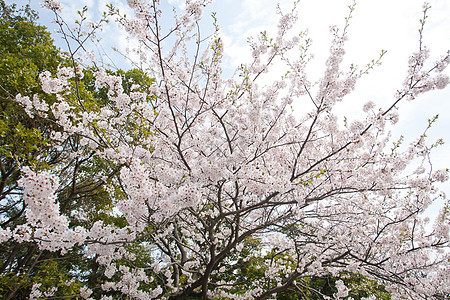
{"x": 244, "y": 269}
{"x": 27, "y": 51}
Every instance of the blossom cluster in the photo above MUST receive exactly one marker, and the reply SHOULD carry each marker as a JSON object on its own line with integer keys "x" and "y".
{"x": 39, "y": 194}
{"x": 52, "y": 4}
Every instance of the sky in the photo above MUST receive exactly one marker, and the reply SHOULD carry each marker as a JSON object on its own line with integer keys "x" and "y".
{"x": 391, "y": 25}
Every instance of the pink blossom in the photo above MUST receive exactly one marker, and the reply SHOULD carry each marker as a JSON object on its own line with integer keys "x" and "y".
{"x": 52, "y": 4}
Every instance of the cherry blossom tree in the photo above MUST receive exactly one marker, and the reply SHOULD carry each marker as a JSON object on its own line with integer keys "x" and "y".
{"x": 204, "y": 166}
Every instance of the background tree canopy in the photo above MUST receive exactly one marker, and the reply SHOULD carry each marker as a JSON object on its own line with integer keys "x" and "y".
{"x": 27, "y": 51}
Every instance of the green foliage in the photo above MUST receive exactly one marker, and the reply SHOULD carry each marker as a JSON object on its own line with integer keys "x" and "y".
{"x": 27, "y": 50}
{"x": 314, "y": 288}
{"x": 244, "y": 267}
{"x": 248, "y": 270}
{"x": 52, "y": 276}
